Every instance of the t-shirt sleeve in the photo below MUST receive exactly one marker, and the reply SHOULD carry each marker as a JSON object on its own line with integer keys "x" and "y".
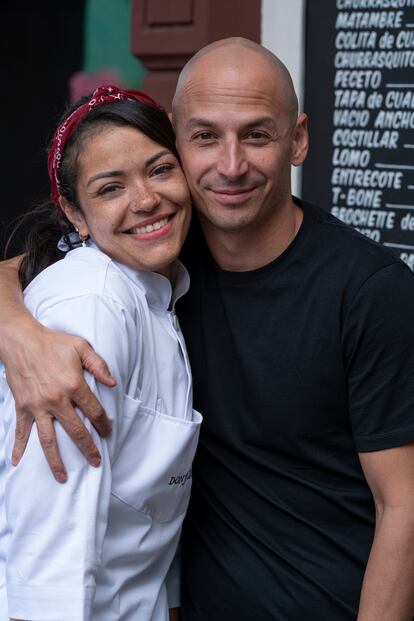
{"x": 378, "y": 341}
{"x": 57, "y": 530}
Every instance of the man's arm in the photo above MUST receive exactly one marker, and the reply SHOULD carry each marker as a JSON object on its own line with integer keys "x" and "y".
{"x": 45, "y": 373}
{"x": 388, "y": 587}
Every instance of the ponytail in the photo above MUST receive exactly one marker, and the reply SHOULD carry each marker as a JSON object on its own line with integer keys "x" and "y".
{"x": 45, "y": 226}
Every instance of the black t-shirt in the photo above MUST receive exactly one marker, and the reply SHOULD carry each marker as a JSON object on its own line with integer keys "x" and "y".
{"x": 297, "y": 366}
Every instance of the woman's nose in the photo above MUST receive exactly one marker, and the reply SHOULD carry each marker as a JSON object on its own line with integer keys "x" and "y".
{"x": 144, "y": 199}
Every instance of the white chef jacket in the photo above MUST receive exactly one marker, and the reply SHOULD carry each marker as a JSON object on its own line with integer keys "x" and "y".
{"x": 99, "y": 546}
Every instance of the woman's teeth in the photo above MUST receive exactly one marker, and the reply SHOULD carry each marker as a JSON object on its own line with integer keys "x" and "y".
{"x": 149, "y": 228}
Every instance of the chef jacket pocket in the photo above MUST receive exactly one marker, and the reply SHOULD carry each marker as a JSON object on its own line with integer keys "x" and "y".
{"x": 152, "y": 471}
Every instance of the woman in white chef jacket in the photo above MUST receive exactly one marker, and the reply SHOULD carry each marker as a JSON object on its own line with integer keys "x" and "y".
{"x": 100, "y": 546}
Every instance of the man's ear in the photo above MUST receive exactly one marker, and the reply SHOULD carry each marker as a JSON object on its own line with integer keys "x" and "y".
{"x": 300, "y": 140}
{"x": 75, "y": 216}
{"x": 172, "y": 120}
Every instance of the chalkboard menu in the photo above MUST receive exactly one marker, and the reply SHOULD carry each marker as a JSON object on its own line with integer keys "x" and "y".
{"x": 359, "y": 95}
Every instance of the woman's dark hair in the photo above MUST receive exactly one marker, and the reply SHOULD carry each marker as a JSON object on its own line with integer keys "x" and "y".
{"x": 47, "y": 223}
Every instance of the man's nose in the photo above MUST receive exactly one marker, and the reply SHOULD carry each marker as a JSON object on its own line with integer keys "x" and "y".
{"x": 232, "y": 163}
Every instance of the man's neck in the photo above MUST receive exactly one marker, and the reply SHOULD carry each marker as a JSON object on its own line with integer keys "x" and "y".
{"x": 253, "y": 247}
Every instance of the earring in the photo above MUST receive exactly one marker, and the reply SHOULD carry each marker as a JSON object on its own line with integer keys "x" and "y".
{"x": 83, "y": 238}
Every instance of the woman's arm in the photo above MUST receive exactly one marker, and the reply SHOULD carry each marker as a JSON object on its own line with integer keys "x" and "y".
{"x": 45, "y": 374}
{"x": 57, "y": 531}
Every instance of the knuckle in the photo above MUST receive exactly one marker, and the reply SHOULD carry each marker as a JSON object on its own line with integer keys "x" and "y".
{"x": 78, "y": 433}
{"x": 24, "y": 418}
{"x": 55, "y": 395}
{"x": 97, "y": 415}
{"x": 47, "y": 441}
{"x": 101, "y": 364}
{"x": 75, "y": 386}
{"x": 54, "y": 398}
{"x": 79, "y": 342}
{"x": 21, "y": 434}
{"x": 24, "y": 408}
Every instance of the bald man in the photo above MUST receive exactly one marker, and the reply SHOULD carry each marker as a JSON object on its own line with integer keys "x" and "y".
{"x": 301, "y": 341}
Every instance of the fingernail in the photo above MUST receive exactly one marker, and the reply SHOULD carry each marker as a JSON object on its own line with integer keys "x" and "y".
{"x": 60, "y": 477}
{"x": 95, "y": 461}
{"x": 14, "y": 460}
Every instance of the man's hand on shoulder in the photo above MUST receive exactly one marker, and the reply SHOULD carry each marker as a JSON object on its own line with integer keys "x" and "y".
{"x": 45, "y": 373}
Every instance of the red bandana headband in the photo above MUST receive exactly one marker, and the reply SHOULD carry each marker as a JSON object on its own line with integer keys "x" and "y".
{"x": 101, "y": 96}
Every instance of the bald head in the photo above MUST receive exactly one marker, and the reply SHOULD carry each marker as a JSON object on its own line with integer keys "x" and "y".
{"x": 227, "y": 61}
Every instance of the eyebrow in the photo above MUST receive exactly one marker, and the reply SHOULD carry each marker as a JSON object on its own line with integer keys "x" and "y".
{"x": 118, "y": 173}
{"x": 156, "y": 157}
{"x": 104, "y": 175}
{"x": 200, "y": 122}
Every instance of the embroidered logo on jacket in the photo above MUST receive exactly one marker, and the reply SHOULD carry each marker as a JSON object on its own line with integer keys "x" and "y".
{"x": 181, "y": 479}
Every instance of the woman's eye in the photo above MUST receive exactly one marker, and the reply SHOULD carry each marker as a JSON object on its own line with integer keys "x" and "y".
{"x": 109, "y": 189}
{"x": 162, "y": 169}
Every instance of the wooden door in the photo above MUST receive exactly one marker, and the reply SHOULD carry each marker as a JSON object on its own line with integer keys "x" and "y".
{"x": 166, "y": 33}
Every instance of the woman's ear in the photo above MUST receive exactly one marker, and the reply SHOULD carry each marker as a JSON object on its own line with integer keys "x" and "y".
{"x": 75, "y": 216}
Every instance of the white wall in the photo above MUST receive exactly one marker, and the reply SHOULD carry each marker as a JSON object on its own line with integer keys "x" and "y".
{"x": 283, "y": 33}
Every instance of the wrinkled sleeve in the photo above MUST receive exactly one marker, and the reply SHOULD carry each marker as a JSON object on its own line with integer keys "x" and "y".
{"x": 379, "y": 359}
{"x": 56, "y": 531}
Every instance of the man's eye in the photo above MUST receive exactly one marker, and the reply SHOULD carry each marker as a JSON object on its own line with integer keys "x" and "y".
{"x": 203, "y": 136}
{"x": 256, "y": 135}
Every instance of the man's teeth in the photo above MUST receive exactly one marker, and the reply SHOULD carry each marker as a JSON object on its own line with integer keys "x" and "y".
{"x": 149, "y": 228}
